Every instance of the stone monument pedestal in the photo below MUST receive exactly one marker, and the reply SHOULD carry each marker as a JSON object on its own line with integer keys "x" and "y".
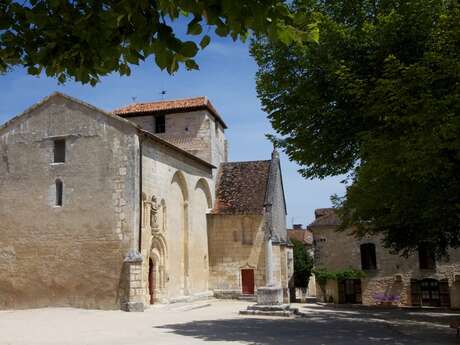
{"x": 270, "y": 303}
{"x": 269, "y": 295}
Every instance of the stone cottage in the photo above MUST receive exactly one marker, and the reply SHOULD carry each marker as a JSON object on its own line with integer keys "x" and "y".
{"x": 419, "y": 280}
{"x": 249, "y": 201}
{"x": 115, "y": 209}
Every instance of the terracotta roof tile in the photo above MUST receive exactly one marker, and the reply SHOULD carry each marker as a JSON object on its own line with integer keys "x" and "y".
{"x": 170, "y": 106}
{"x": 302, "y": 235}
{"x": 241, "y": 187}
{"x": 325, "y": 217}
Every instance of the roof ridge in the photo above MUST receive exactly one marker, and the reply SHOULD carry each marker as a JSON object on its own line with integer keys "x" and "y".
{"x": 162, "y": 101}
{"x": 253, "y": 161}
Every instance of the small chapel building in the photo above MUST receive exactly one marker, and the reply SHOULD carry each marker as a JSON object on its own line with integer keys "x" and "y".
{"x": 133, "y": 207}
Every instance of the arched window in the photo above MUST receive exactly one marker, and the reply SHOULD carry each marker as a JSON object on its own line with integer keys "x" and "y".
{"x": 368, "y": 257}
{"x": 59, "y": 192}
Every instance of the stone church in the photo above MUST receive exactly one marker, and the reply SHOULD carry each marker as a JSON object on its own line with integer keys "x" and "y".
{"x": 133, "y": 207}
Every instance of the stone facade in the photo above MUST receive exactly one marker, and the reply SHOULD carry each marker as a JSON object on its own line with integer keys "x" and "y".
{"x": 124, "y": 219}
{"x": 71, "y": 254}
{"x": 392, "y": 281}
{"x": 177, "y": 242}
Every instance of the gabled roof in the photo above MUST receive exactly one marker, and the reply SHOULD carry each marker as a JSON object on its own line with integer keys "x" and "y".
{"x": 169, "y": 107}
{"x": 149, "y": 135}
{"x": 67, "y": 97}
{"x": 325, "y": 217}
{"x": 241, "y": 187}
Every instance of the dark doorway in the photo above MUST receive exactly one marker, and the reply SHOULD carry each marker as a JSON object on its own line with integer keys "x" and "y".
{"x": 152, "y": 281}
{"x": 247, "y": 281}
{"x": 429, "y": 289}
{"x": 350, "y": 291}
{"x": 430, "y": 292}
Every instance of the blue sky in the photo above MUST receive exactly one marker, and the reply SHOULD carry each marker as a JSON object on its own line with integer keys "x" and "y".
{"x": 226, "y": 77}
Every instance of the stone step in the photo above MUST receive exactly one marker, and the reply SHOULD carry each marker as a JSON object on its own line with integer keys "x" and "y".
{"x": 281, "y": 307}
{"x": 250, "y": 298}
{"x": 282, "y": 313}
{"x": 284, "y": 310}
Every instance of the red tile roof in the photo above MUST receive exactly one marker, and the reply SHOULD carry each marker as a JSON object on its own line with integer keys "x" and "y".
{"x": 303, "y": 235}
{"x": 325, "y": 217}
{"x": 241, "y": 187}
{"x": 170, "y": 106}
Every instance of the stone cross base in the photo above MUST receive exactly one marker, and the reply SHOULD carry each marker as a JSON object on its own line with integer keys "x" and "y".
{"x": 270, "y": 295}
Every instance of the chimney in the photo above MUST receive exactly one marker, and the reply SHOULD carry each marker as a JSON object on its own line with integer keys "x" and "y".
{"x": 297, "y": 226}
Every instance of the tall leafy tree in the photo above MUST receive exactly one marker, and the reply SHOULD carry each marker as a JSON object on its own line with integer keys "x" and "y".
{"x": 303, "y": 264}
{"x": 377, "y": 99}
{"x": 86, "y": 39}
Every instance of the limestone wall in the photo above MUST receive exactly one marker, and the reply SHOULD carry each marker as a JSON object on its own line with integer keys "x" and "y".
{"x": 196, "y": 132}
{"x": 179, "y": 248}
{"x": 337, "y": 250}
{"x": 236, "y": 242}
{"x": 70, "y": 255}
{"x": 228, "y": 253}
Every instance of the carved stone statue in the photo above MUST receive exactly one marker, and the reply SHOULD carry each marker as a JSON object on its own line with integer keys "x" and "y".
{"x": 154, "y": 214}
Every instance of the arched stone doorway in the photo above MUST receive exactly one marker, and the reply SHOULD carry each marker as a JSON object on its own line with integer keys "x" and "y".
{"x": 157, "y": 269}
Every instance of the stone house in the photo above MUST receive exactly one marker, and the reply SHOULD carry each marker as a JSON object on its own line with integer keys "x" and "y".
{"x": 109, "y": 209}
{"x": 390, "y": 279}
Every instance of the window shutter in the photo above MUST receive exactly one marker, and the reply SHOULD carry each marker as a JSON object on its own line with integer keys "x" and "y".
{"x": 415, "y": 292}
{"x": 341, "y": 285}
{"x": 358, "y": 295}
{"x": 444, "y": 295}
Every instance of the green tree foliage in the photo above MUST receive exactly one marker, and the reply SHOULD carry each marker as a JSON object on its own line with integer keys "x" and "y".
{"x": 322, "y": 275}
{"x": 303, "y": 264}
{"x": 378, "y": 99}
{"x": 86, "y": 39}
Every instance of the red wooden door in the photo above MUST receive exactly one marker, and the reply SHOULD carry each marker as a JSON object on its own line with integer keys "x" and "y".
{"x": 247, "y": 281}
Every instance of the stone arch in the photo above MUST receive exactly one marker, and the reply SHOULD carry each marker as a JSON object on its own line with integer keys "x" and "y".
{"x": 157, "y": 262}
{"x": 203, "y": 184}
{"x": 178, "y": 235}
{"x": 180, "y": 179}
{"x": 201, "y": 203}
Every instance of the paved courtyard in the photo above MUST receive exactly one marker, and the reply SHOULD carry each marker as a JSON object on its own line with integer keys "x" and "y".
{"x": 218, "y": 322}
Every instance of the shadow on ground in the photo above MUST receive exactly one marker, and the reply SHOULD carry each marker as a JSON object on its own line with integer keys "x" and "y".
{"x": 322, "y": 327}
{"x": 434, "y": 316}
